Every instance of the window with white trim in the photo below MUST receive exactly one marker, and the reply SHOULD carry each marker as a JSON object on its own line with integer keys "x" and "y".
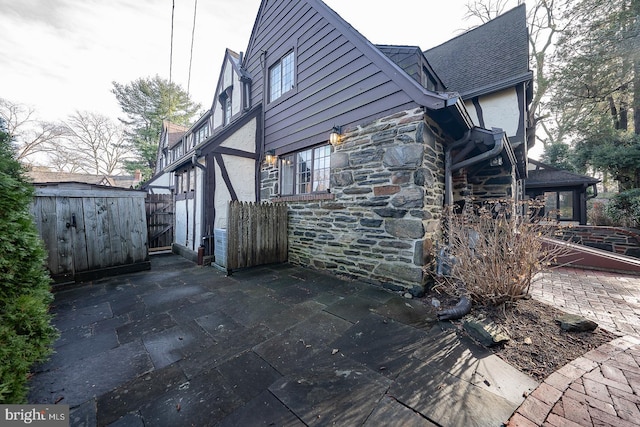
{"x": 282, "y": 76}
{"x": 306, "y": 171}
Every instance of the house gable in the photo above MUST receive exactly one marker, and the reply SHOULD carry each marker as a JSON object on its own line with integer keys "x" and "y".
{"x": 169, "y": 136}
{"x": 340, "y": 77}
{"x": 488, "y": 58}
{"x": 489, "y": 67}
{"x": 230, "y": 86}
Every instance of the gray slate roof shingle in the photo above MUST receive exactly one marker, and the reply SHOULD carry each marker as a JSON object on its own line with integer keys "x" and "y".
{"x": 546, "y": 176}
{"x": 486, "y": 58}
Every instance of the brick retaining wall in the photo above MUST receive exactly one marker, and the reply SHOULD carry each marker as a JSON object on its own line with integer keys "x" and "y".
{"x": 613, "y": 239}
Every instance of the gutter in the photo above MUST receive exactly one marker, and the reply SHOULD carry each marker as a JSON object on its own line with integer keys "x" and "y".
{"x": 496, "y": 137}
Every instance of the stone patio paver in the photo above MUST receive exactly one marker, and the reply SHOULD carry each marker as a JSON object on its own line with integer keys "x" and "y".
{"x": 276, "y": 345}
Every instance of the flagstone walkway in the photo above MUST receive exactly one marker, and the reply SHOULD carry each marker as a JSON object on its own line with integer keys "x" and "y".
{"x": 182, "y": 345}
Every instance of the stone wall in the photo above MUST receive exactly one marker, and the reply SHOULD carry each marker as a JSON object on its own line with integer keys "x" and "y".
{"x": 269, "y": 181}
{"x": 613, "y": 239}
{"x": 382, "y": 216}
{"x": 493, "y": 183}
{"x": 487, "y": 185}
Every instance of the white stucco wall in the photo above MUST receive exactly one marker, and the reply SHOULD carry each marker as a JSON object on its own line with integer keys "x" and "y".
{"x": 471, "y": 109}
{"x": 229, "y": 78}
{"x": 221, "y": 198}
{"x": 217, "y": 115}
{"x": 181, "y": 222}
{"x": 236, "y": 97}
{"x": 241, "y": 171}
{"x": 244, "y": 138}
{"x": 228, "y": 75}
{"x": 499, "y": 109}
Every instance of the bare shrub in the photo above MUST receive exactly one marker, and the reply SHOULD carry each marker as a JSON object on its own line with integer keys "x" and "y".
{"x": 494, "y": 253}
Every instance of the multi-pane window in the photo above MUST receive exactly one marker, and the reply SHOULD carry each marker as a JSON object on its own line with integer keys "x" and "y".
{"x": 201, "y": 134}
{"x": 282, "y": 76}
{"x": 176, "y": 152}
{"x": 227, "y": 110}
{"x": 306, "y": 171}
{"x": 225, "y": 102}
{"x": 559, "y": 204}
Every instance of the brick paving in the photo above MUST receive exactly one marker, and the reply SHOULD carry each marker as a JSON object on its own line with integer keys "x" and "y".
{"x": 612, "y": 300}
{"x": 601, "y": 388}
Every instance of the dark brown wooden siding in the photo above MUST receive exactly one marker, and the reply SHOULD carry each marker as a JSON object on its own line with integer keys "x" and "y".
{"x": 413, "y": 62}
{"x": 336, "y": 84}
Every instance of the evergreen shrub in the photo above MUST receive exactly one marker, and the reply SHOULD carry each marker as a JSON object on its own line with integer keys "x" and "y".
{"x": 26, "y": 333}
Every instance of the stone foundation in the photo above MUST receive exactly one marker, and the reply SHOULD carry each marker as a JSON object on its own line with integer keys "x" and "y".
{"x": 382, "y": 216}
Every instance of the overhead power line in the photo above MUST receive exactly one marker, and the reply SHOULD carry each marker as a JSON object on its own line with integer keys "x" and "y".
{"x": 193, "y": 32}
{"x": 173, "y": 7}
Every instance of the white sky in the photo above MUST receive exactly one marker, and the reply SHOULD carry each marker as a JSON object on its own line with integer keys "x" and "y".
{"x": 59, "y": 56}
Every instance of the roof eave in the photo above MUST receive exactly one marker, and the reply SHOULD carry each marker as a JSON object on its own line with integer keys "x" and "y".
{"x": 504, "y": 84}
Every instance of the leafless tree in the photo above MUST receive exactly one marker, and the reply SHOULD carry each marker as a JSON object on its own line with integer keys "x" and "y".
{"x": 93, "y": 144}
{"x": 486, "y": 10}
{"x": 30, "y": 135}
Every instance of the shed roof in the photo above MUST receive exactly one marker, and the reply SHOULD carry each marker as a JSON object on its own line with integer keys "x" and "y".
{"x": 544, "y": 175}
{"x": 487, "y": 58}
{"x": 39, "y": 176}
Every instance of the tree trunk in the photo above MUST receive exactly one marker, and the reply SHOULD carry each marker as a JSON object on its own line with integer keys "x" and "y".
{"x": 614, "y": 113}
{"x": 635, "y": 9}
{"x": 636, "y": 96}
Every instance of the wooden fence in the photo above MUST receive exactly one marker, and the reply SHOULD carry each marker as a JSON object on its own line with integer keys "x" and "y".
{"x": 256, "y": 234}
{"x": 159, "y": 209}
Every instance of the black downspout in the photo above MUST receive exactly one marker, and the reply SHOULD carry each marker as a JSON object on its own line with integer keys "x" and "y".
{"x": 498, "y": 146}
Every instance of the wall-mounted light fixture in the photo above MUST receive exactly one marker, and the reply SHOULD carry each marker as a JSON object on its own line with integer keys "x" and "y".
{"x": 496, "y": 161}
{"x": 271, "y": 157}
{"x": 335, "y": 137}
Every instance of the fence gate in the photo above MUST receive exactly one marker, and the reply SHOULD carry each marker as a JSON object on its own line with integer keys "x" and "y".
{"x": 91, "y": 231}
{"x": 256, "y": 234}
{"x": 159, "y": 209}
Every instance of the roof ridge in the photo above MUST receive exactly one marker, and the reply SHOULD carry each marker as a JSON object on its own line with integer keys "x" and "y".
{"x": 483, "y": 25}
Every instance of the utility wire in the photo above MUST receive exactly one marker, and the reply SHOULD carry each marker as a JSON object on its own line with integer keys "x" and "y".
{"x": 173, "y": 7}
{"x": 193, "y": 32}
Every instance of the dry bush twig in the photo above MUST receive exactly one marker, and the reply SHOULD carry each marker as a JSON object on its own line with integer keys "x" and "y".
{"x": 496, "y": 254}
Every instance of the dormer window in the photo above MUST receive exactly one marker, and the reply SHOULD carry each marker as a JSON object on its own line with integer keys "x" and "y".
{"x": 427, "y": 80}
{"x": 201, "y": 134}
{"x": 227, "y": 105}
{"x": 282, "y": 76}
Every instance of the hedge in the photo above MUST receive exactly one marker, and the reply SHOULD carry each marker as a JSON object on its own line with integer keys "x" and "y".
{"x": 26, "y": 333}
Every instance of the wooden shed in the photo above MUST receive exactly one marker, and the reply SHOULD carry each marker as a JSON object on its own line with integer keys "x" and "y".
{"x": 91, "y": 231}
